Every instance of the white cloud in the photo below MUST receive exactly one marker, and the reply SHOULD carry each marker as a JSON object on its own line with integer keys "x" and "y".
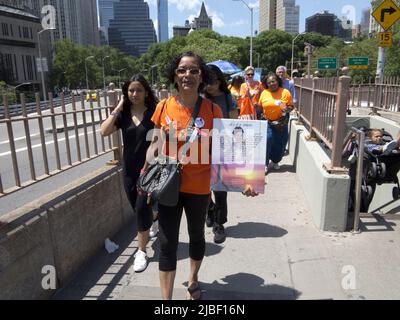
{"x": 151, "y": 2}
{"x": 183, "y": 5}
{"x": 240, "y": 22}
{"x": 216, "y": 19}
{"x": 254, "y": 5}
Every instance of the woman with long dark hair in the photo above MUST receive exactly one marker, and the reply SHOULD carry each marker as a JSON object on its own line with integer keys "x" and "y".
{"x": 133, "y": 116}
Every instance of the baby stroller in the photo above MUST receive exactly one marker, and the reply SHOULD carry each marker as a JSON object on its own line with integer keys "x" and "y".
{"x": 377, "y": 169}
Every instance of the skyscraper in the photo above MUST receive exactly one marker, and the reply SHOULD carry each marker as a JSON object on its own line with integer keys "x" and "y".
{"x": 267, "y": 15}
{"x": 131, "y": 30}
{"x": 365, "y": 17}
{"x": 329, "y": 24}
{"x": 75, "y": 20}
{"x": 279, "y": 14}
{"x": 162, "y": 13}
{"x": 287, "y": 16}
{"x": 106, "y": 13}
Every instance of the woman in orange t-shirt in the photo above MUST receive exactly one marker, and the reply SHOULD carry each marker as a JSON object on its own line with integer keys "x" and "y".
{"x": 249, "y": 95}
{"x": 277, "y": 104}
{"x": 189, "y": 74}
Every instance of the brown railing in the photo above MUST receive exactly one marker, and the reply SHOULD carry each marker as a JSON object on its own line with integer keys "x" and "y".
{"x": 69, "y": 135}
{"x": 322, "y": 106}
{"x": 380, "y": 96}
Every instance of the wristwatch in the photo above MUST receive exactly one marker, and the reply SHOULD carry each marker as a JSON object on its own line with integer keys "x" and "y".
{"x": 114, "y": 113}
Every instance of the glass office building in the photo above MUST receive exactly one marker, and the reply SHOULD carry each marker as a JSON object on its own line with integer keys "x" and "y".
{"x": 131, "y": 31}
{"x": 162, "y": 12}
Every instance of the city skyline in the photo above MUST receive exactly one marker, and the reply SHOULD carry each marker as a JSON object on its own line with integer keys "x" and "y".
{"x": 232, "y": 18}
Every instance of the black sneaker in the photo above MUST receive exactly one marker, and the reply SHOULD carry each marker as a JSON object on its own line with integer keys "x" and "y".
{"x": 209, "y": 220}
{"x": 219, "y": 233}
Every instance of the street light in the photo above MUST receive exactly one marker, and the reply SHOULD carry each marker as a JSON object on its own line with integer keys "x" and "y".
{"x": 87, "y": 81}
{"x": 151, "y": 69}
{"x": 119, "y": 76}
{"x": 291, "y": 68}
{"x": 104, "y": 77}
{"x": 41, "y": 63}
{"x": 20, "y": 85}
{"x": 251, "y": 34}
{"x": 258, "y": 59}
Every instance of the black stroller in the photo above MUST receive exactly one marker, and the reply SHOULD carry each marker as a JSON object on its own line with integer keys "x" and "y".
{"x": 377, "y": 169}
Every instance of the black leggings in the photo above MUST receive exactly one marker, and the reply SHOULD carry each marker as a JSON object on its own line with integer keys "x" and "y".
{"x": 144, "y": 212}
{"x": 218, "y": 211}
{"x": 169, "y": 221}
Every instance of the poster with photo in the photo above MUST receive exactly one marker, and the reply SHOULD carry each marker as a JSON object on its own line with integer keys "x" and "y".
{"x": 238, "y": 155}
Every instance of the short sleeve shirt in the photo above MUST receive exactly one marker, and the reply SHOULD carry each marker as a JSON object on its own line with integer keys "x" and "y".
{"x": 196, "y": 174}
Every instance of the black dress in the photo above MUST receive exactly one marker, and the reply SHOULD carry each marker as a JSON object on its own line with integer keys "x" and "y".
{"x": 135, "y": 147}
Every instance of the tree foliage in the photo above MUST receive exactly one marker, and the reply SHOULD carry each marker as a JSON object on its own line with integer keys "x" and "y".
{"x": 270, "y": 49}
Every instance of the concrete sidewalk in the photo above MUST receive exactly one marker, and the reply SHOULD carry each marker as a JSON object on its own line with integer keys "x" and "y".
{"x": 272, "y": 251}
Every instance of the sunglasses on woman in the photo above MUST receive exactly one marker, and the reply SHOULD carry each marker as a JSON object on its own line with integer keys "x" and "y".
{"x": 250, "y": 74}
{"x": 183, "y": 71}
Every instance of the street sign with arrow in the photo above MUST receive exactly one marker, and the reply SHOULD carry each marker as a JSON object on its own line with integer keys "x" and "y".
{"x": 386, "y": 14}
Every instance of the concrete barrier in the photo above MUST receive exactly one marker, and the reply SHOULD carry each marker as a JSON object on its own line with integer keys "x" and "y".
{"x": 63, "y": 230}
{"x": 326, "y": 194}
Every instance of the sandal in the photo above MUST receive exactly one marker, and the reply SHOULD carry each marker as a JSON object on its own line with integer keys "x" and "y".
{"x": 194, "y": 291}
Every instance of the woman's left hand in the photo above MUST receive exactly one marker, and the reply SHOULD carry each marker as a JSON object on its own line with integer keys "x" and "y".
{"x": 249, "y": 191}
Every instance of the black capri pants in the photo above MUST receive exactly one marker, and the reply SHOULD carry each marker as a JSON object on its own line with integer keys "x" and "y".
{"x": 144, "y": 212}
{"x": 169, "y": 222}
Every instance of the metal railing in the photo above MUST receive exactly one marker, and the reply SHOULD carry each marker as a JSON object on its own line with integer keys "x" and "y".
{"x": 378, "y": 96}
{"x": 322, "y": 106}
{"x": 16, "y": 109}
{"x": 71, "y": 138}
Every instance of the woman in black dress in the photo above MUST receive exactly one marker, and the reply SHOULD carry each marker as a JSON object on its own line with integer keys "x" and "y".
{"x": 132, "y": 115}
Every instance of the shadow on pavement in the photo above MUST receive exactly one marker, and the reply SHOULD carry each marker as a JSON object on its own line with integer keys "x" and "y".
{"x": 104, "y": 272}
{"x": 245, "y": 286}
{"x": 249, "y": 230}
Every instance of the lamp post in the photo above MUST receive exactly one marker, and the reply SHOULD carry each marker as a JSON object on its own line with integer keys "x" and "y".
{"x": 119, "y": 76}
{"x": 251, "y": 34}
{"x": 87, "y": 81}
{"x": 258, "y": 59}
{"x": 41, "y": 63}
{"x": 104, "y": 77}
{"x": 20, "y": 85}
{"x": 291, "y": 67}
{"x": 151, "y": 70}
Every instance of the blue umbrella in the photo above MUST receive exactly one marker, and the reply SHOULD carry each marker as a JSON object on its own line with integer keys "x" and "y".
{"x": 226, "y": 66}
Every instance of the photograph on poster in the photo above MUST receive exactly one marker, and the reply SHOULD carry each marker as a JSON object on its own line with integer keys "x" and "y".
{"x": 238, "y": 155}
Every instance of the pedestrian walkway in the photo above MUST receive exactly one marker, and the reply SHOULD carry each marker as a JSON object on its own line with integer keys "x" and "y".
{"x": 272, "y": 251}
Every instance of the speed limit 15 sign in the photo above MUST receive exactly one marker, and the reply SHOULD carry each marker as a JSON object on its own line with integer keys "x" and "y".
{"x": 385, "y": 39}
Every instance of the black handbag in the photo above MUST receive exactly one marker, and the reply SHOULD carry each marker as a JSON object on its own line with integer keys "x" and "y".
{"x": 162, "y": 179}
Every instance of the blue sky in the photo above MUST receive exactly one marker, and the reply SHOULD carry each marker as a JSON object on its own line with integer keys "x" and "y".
{"x": 233, "y": 17}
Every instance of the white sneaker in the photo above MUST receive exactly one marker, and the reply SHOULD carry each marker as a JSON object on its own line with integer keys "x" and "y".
{"x": 276, "y": 166}
{"x": 154, "y": 229}
{"x": 140, "y": 262}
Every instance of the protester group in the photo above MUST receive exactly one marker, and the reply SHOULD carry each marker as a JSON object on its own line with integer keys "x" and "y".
{"x": 202, "y": 92}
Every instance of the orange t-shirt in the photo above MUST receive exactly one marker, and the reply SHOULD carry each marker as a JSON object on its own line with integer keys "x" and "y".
{"x": 195, "y": 177}
{"x": 273, "y": 112}
{"x": 254, "y": 91}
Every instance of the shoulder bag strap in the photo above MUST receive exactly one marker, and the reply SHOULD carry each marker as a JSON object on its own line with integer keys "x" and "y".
{"x": 193, "y": 117}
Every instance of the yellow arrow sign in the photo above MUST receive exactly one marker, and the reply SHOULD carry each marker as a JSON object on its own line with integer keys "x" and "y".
{"x": 386, "y": 14}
